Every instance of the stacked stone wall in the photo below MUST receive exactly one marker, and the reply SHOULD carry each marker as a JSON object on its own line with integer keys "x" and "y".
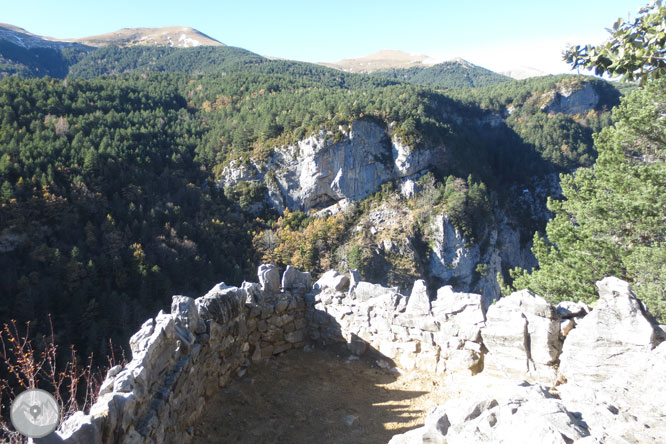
{"x": 180, "y": 359}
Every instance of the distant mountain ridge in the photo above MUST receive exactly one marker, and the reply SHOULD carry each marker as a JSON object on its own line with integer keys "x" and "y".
{"x": 184, "y": 49}
{"x": 172, "y": 36}
{"x": 30, "y": 55}
{"x": 380, "y": 61}
{"x": 421, "y": 70}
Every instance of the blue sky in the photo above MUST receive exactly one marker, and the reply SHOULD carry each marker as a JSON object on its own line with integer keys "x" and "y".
{"x": 492, "y": 33}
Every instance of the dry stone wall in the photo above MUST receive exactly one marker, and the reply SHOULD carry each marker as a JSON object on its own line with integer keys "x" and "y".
{"x": 409, "y": 330}
{"x": 180, "y": 359}
{"x": 561, "y": 359}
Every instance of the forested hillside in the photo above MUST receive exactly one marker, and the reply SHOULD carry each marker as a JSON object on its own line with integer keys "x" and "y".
{"x": 109, "y": 179}
{"x": 447, "y": 75}
{"x": 105, "y": 211}
{"x": 108, "y": 185}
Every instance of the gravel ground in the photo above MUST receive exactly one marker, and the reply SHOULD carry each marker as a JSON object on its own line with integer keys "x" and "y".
{"x": 318, "y": 396}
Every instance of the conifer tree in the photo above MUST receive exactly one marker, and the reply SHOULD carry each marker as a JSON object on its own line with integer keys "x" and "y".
{"x": 612, "y": 217}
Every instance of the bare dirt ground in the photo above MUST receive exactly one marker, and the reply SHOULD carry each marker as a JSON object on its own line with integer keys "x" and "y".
{"x": 318, "y": 396}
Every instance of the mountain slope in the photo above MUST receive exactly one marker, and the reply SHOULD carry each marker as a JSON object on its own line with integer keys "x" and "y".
{"x": 171, "y": 36}
{"x": 380, "y": 61}
{"x": 456, "y": 73}
{"x": 421, "y": 70}
{"x": 29, "y": 55}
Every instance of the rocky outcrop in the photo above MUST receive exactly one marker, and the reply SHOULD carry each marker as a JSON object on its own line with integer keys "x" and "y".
{"x": 294, "y": 280}
{"x": 614, "y": 368}
{"x": 571, "y": 100}
{"x": 319, "y": 171}
{"x": 514, "y": 414}
{"x": 332, "y": 280}
{"x": 614, "y": 335}
{"x": 269, "y": 278}
{"x": 522, "y": 335}
{"x": 455, "y": 261}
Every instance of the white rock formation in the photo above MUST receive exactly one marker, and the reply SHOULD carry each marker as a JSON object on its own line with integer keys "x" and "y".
{"x": 522, "y": 335}
{"x": 317, "y": 172}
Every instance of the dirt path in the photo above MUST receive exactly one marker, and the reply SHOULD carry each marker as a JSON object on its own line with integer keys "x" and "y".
{"x": 317, "y": 397}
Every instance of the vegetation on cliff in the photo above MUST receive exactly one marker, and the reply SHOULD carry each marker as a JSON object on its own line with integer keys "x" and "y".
{"x": 611, "y": 218}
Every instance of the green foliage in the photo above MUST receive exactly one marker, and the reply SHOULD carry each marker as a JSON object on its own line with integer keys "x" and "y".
{"x": 38, "y": 61}
{"x": 467, "y": 204}
{"x": 611, "y": 220}
{"x": 247, "y": 193}
{"x": 447, "y": 75}
{"x": 112, "y": 60}
{"x": 106, "y": 209}
{"x": 636, "y": 50}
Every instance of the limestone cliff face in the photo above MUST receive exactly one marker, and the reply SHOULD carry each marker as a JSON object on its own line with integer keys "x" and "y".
{"x": 318, "y": 171}
{"x": 567, "y": 100}
{"x": 454, "y": 260}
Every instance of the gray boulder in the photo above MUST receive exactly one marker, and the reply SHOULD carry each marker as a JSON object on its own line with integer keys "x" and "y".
{"x": 293, "y": 279}
{"x": 466, "y": 308}
{"x": 615, "y": 334}
{"x": 418, "y": 302}
{"x": 628, "y": 407}
{"x": 365, "y": 291}
{"x": 221, "y": 304}
{"x": 522, "y": 335}
{"x": 184, "y": 312}
{"x": 354, "y": 279}
{"x": 569, "y": 309}
{"x": 523, "y": 414}
{"x": 269, "y": 278}
{"x": 614, "y": 368}
{"x": 332, "y": 280}
{"x": 252, "y": 292}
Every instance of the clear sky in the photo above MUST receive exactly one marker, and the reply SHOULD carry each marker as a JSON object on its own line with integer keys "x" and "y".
{"x": 497, "y": 34}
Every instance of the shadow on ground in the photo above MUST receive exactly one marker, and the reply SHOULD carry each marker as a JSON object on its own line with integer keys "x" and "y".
{"x": 313, "y": 396}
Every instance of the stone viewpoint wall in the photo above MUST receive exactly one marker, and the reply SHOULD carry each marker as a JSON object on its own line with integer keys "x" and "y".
{"x": 180, "y": 359}
{"x": 580, "y": 375}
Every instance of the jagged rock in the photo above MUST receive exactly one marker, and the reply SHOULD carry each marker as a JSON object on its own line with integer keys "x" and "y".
{"x": 467, "y": 308}
{"x": 568, "y": 100}
{"x": 332, "y": 280}
{"x": 614, "y": 368}
{"x": 566, "y": 325}
{"x": 365, "y": 291}
{"x": 569, "y": 309}
{"x": 109, "y": 381}
{"x": 221, "y": 304}
{"x": 452, "y": 259}
{"x": 269, "y": 278}
{"x": 80, "y": 429}
{"x": 615, "y": 334}
{"x": 627, "y": 407}
{"x": 523, "y": 414}
{"x": 293, "y": 279}
{"x": 522, "y": 335}
{"x": 253, "y": 292}
{"x": 418, "y": 302}
{"x": 185, "y": 313}
{"x": 354, "y": 279}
